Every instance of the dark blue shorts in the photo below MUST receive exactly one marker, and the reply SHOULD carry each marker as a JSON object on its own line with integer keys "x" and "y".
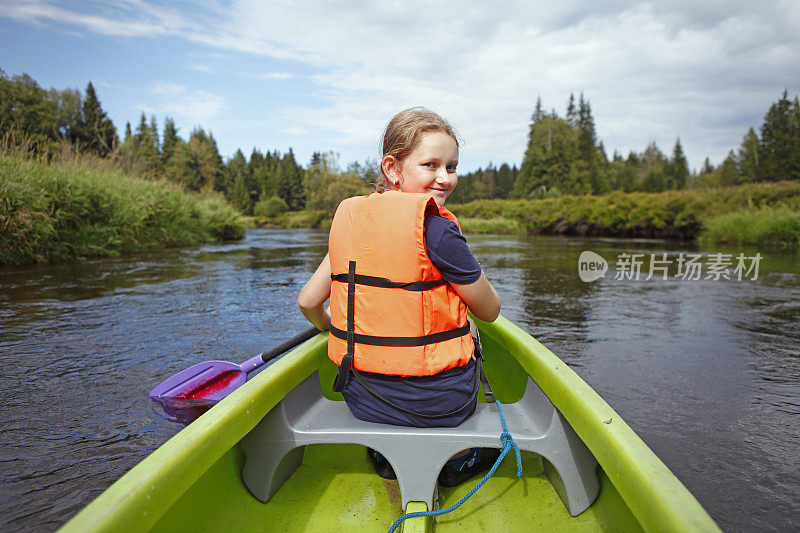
{"x": 437, "y": 394}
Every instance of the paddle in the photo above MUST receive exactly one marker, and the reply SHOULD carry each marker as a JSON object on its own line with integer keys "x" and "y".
{"x": 204, "y": 384}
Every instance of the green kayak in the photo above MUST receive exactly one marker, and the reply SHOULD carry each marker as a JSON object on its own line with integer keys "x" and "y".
{"x": 211, "y": 475}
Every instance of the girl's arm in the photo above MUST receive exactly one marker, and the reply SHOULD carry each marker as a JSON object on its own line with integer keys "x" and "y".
{"x": 315, "y": 293}
{"x": 481, "y": 298}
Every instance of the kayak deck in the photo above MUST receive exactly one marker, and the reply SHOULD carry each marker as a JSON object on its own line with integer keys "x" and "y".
{"x": 336, "y": 489}
{"x": 194, "y": 481}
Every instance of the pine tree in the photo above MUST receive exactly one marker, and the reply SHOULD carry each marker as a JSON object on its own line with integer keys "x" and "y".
{"x": 587, "y": 136}
{"x": 779, "y": 153}
{"x": 183, "y": 167}
{"x": 170, "y": 142}
{"x": 155, "y": 144}
{"x": 572, "y": 114}
{"x": 679, "y": 167}
{"x": 96, "y": 131}
{"x": 504, "y": 182}
{"x": 296, "y": 179}
{"x": 747, "y": 158}
{"x": 240, "y": 196}
{"x": 204, "y": 152}
{"x": 147, "y": 152}
{"x": 538, "y": 114}
{"x": 549, "y": 160}
{"x": 728, "y": 172}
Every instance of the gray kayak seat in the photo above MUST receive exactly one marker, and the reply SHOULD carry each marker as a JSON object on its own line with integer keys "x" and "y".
{"x": 274, "y": 448}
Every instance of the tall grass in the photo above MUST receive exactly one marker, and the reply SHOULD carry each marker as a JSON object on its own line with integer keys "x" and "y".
{"x": 78, "y": 206}
{"x": 765, "y": 227}
{"x": 499, "y": 225}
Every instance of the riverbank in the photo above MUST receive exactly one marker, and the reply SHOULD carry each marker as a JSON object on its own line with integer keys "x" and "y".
{"x": 763, "y": 213}
{"x": 85, "y": 208}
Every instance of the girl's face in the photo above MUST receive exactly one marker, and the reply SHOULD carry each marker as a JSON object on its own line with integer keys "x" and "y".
{"x": 430, "y": 168}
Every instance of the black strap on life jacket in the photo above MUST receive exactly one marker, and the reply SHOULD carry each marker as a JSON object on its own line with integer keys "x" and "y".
{"x": 480, "y": 377}
{"x": 347, "y": 360}
{"x": 374, "y": 281}
{"x": 346, "y": 366}
{"x": 352, "y": 279}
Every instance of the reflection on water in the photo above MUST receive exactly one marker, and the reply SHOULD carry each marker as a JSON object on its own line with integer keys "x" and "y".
{"x": 707, "y": 372}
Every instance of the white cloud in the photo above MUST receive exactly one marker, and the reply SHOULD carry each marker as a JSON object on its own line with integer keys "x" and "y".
{"x": 198, "y": 107}
{"x": 295, "y": 131}
{"x": 653, "y": 71}
{"x": 167, "y": 89}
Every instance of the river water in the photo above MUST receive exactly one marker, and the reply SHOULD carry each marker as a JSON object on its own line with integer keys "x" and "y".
{"x": 706, "y": 371}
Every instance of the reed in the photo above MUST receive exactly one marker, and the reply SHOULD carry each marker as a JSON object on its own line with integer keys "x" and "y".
{"x": 776, "y": 228}
{"x": 68, "y": 205}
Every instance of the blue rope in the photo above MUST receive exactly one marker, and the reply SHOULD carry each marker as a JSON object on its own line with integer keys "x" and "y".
{"x": 507, "y": 442}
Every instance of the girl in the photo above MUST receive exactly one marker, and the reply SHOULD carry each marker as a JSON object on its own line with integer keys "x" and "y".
{"x": 400, "y": 278}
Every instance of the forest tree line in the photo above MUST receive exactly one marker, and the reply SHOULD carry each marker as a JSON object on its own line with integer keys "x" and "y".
{"x": 563, "y": 155}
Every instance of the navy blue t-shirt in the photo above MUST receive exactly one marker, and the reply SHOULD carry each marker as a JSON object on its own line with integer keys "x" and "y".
{"x": 443, "y": 392}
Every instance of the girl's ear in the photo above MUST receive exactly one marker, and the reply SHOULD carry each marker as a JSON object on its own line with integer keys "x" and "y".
{"x": 391, "y": 169}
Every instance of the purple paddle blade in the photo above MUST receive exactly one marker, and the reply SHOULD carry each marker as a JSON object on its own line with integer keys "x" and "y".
{"x": 202, "y": 384}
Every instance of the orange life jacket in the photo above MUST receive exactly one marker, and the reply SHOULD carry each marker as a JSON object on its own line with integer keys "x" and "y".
{"x": 405, "y": 319}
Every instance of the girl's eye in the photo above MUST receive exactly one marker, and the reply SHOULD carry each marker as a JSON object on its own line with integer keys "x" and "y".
{"x": 430, "y": 164}
{"x": 451, "y": 168}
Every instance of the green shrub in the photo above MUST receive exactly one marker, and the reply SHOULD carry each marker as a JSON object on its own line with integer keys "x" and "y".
{"x": 505, "y": 226}
{"x": 310, "y": 218}
{"x": 270, "y": 207}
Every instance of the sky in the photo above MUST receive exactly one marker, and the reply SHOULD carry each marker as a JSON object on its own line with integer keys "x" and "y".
{"x": 328, "y": 76}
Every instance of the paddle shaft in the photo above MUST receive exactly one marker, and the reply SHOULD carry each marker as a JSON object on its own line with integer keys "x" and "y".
{"x": 257, "y": 361}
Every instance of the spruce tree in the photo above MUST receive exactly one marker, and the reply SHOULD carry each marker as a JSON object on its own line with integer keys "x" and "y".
{"x": 747, "y": 158}
{"x": 204, "y": 152}
{"x": 572, "y": 113}
{"x": 290, "y": 189}
{"x": 538, "y": 114}
{"x": 171, "y": 140}
{"x": 155, "y": 145}
{"x": 779, "y": 156}
{"x": 183, "y": 167}
{"x": 587, "y": 136}
{"x": 679, "y": 167}
{"x": 504, "y": 182}
{"x": 96, "y": 131}
{"x": 490, "y": 181}
{"x": 147, "y": 152}
{"x": 549, "y": 160}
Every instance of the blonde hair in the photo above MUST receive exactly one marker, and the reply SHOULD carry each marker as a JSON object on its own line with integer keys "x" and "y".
{"x": 404, "y": 133}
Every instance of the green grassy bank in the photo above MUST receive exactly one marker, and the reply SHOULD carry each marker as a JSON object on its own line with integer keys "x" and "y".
{"x": 763, "y": 213}
{"x": 51, "y": 212}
